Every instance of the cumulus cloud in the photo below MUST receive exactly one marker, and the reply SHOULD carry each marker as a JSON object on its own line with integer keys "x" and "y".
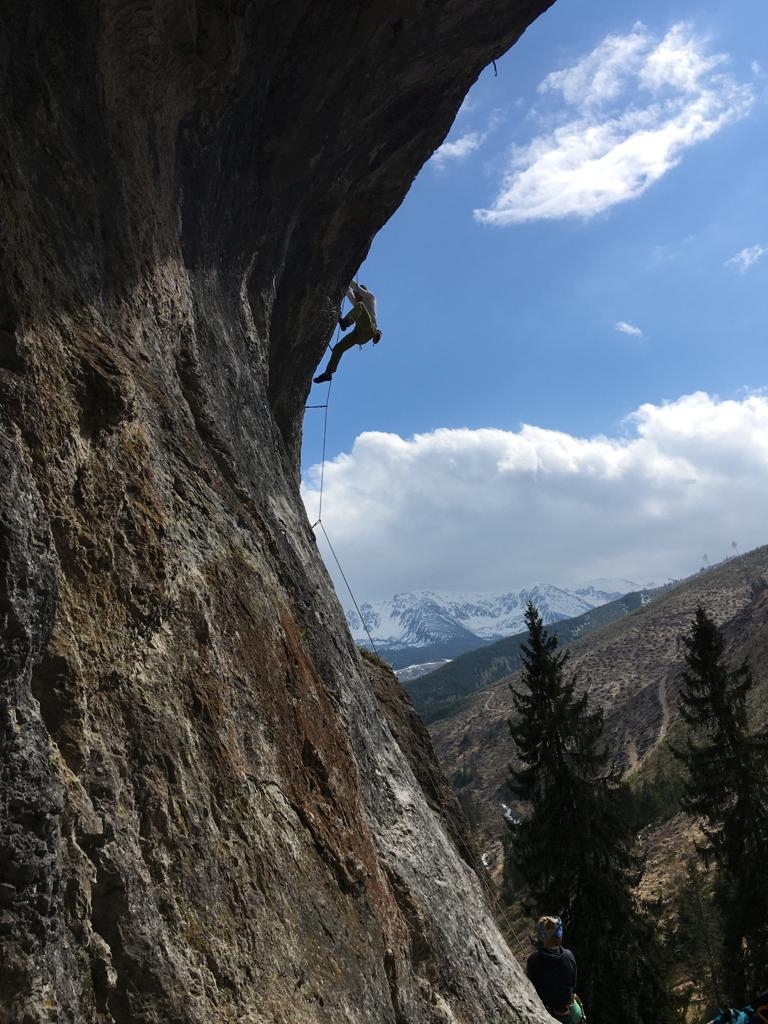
{"x": 624, "y": 328}
{"x": 627, "y": 113}
{"x": 747, "y": 257}
{"x": 494, "y": 509}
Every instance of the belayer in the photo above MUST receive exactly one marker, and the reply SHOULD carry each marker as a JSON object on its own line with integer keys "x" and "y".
{"x": 363, "y": 316}
{"x": 552, "y": 970}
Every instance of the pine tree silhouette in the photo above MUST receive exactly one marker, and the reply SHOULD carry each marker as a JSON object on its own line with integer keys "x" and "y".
{"x": 727, "y": 787}
{"x": 575, "y": 849}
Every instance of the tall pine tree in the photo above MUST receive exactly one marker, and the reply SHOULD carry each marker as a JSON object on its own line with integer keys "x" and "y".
{"x": 727, "y": 787}
{"x": 575, "y": 849}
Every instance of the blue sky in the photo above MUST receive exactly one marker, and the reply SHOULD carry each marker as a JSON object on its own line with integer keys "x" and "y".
{"x": 571, "y": 382}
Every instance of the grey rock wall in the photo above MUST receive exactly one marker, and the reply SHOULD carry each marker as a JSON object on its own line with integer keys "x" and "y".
{"x": 205, "y": 814}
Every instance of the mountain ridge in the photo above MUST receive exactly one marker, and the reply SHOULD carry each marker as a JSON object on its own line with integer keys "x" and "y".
{"x": 431, "y": 625}
{"x": 441, "y": 691}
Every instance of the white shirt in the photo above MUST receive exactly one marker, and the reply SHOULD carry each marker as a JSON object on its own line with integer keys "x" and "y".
{"x": 359, "y": 293}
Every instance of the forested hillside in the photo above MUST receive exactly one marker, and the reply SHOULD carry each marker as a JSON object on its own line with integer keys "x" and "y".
{"x": 630, "y": 669}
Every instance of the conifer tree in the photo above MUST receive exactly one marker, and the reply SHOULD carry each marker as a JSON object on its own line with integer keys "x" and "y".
{"x": 575, "y": 849}
{"x": 698, "y": 940}
{"x": 728, "y": 788}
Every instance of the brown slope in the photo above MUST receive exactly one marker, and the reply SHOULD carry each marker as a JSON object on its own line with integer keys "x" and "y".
{"x": 630, "y": 669}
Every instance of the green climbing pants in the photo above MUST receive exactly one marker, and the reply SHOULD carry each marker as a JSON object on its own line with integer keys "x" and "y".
{"x": 576, "y": 1011}
{"x": 574, "y": 1014}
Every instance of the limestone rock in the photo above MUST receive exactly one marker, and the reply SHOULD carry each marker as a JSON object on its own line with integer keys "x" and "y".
{"x": 205, "y": 815}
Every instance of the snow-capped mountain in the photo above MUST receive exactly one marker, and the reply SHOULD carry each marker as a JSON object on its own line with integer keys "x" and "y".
{"x": 424, "y": 625}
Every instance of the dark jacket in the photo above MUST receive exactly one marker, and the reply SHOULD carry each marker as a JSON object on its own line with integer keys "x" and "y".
{"x": 553, "y": 974}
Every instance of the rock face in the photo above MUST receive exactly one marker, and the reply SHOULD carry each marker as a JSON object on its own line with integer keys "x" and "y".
{"x": 205, "y": 815}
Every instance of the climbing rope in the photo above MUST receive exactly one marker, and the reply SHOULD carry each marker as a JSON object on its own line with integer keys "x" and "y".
{"x": 346, "y": 583}
{"x": 486, "y": 885}
{"x": 485, "y": 882}
{"x": 319, "y": 520}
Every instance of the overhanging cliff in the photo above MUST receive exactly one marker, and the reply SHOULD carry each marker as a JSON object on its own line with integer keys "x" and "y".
{"x": 205, "y": 813}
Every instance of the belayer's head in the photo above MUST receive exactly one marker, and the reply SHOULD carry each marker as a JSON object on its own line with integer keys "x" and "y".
{"x": 550, "y": 931}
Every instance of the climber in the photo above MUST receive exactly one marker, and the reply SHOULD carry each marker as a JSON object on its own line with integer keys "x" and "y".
{"x": 552, "y": 970}
{"x": 363, "y": 316}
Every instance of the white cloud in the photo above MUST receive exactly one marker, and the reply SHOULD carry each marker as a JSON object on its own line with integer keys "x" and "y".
{"x": 625, "y": 328}
{"x": 601, "y": 75}
{"x": 459, "y": 149}
{"x": 747, "y": 257}
{"x": 632, "y": 107}
{"x": 679, "y": 61}
{"x": 672, "y": 251}
{"x": 494, "y": 509}
{"x": 465, "y": 145}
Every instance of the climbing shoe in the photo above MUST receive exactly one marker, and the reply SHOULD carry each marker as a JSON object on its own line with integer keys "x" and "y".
{"x": 323, "y": 377}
